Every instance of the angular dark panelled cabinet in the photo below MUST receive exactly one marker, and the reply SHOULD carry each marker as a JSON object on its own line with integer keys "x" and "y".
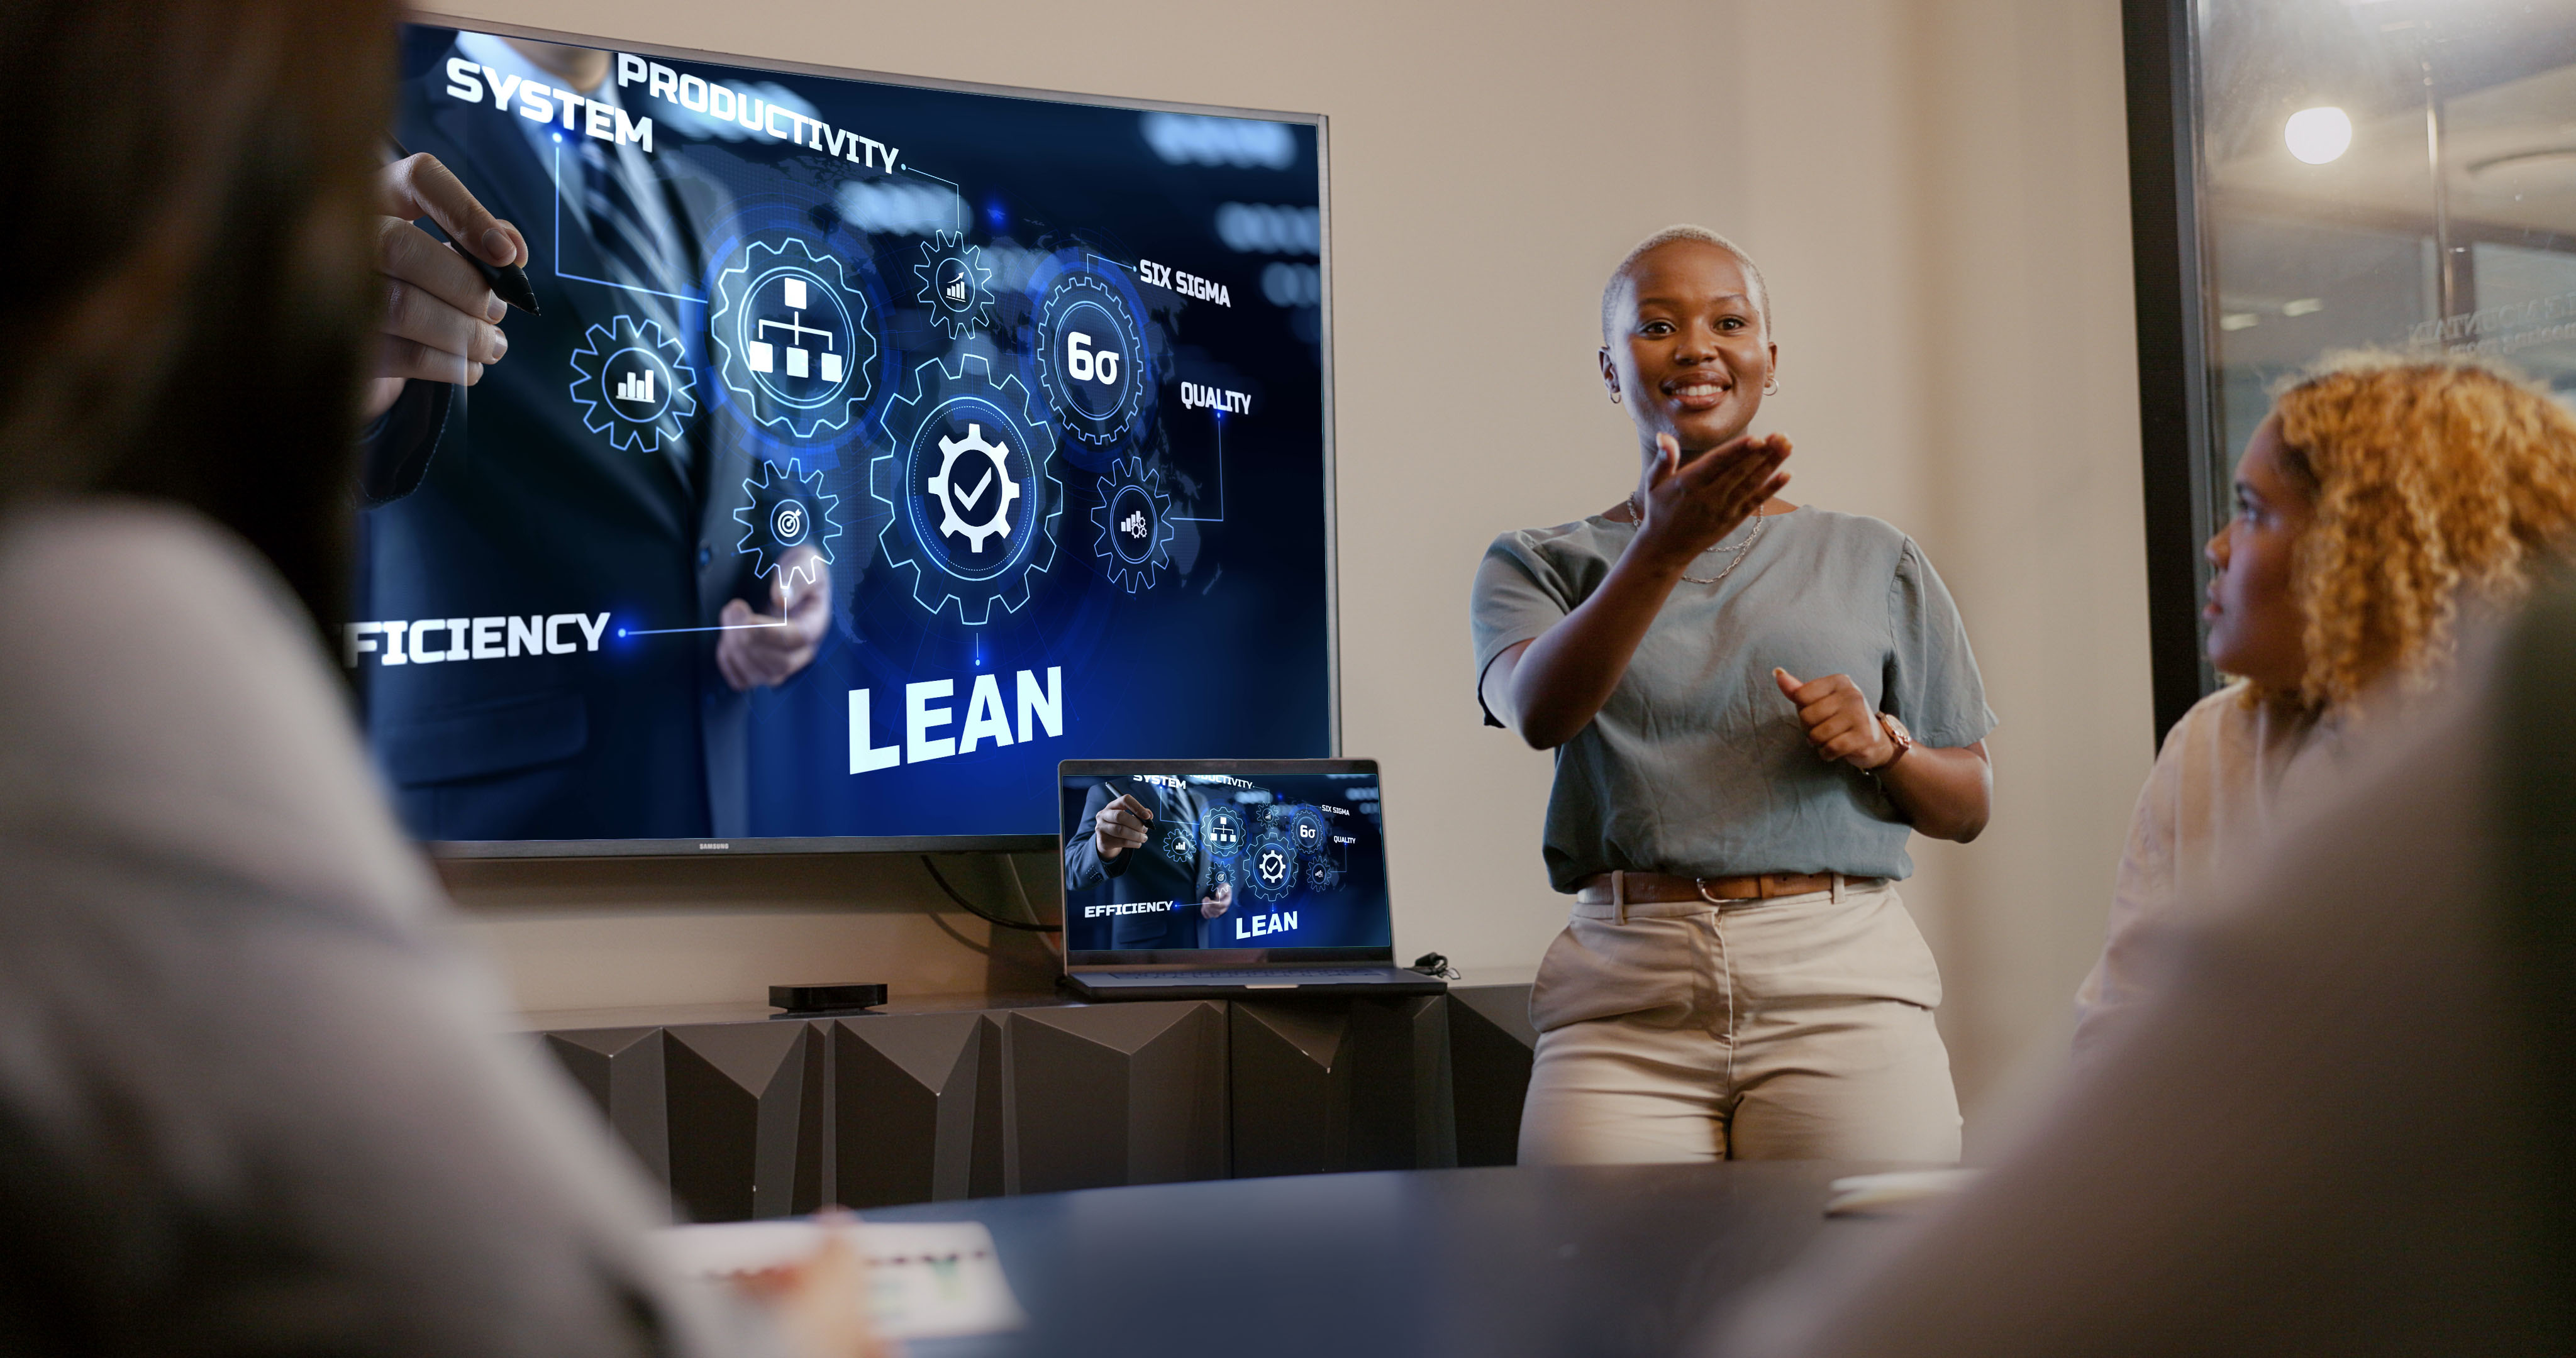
{"x": 1491, "y": 1042}
{"x": 777, "y": 1117}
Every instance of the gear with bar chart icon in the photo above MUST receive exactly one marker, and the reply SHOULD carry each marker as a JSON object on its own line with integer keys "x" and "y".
{"x": 793, "y": 337}
{"x": 784, "y": 509}
{"x": 631, "y": 385}
{"x": 1134, "y": 519}
{"x": 953, "y": 276}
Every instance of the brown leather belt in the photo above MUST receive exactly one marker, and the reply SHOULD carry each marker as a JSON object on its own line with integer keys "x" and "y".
{"x": 1642, "y": 887}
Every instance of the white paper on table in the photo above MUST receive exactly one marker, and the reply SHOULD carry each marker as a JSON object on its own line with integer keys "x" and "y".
{"x": 927, "y": 1279}
{"x": 1900, "y": 1190}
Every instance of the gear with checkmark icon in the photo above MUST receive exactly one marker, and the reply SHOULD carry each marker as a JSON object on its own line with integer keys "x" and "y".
{"x": 972, "y": 506}
{"x": 952, "y": 493}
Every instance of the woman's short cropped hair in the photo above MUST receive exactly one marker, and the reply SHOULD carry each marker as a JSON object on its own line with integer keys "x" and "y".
{"x": 2438, "y": 481}
{"x": 1620, "y": 276}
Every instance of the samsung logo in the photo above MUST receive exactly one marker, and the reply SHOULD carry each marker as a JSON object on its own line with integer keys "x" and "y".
{"x": 704, "y": 847}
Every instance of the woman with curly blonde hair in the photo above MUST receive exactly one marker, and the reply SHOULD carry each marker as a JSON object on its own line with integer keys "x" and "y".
{"x": 2380, "y": 497}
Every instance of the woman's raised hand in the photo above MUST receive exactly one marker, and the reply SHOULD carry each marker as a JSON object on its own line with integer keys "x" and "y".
{"x": 1689, "y": 509}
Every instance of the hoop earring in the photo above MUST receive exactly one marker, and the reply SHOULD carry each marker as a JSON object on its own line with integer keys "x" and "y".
{"x": 1771, "y": 386}
{"x": 1614, "y": 398}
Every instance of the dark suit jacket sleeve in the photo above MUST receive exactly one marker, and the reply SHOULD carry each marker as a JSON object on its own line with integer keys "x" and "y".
{"x": 395, "y": 451}
{"x": 1083, "y": 865}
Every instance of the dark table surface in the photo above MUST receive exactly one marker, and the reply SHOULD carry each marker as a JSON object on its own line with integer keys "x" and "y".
{"x": 1600, "y": 1262}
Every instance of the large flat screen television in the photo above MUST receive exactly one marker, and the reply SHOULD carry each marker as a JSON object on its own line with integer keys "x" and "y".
{"x": 877, "y": 444}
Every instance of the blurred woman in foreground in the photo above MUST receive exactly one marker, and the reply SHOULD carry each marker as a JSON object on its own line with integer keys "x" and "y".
{"x": 2380, "y": 498}
{"x": 252, "y": 1096}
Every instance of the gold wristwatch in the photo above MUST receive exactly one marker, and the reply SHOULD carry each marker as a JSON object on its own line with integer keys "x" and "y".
{"x": 1896, "y": 732}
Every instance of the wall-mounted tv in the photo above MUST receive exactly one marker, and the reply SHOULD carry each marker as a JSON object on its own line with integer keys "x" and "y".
{"x": 878, "y": 443}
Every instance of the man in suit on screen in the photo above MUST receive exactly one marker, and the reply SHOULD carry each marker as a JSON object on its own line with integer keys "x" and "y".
{"x": 515, "y": 549}
{"x": 1142, "y": 839}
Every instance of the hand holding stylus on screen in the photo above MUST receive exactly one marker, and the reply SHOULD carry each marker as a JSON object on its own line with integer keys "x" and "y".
{"x": 1218, "y": 903}
{"x": 1120, "y": 826}
{"x": 441, "y": 317}
{"x": 761, "y": 649}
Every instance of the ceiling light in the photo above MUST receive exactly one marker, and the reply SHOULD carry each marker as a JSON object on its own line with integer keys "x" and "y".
{"x": 2317, "y": 135}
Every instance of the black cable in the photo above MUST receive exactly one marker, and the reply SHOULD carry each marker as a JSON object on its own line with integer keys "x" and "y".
{"x": 980, "y": 912}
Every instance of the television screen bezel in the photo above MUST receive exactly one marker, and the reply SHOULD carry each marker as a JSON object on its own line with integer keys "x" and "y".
{"x": 992, "y": 843}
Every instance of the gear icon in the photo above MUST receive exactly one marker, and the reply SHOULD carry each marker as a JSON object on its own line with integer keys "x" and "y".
{"x": 1321, "y": 875}
{"x": 785, "y": 509}
{"x": 1221, "y": 829}
{"x": 1306, "y": 829}
{"x": 792, "y": 337}
{"x": 949, "y": 493}
{"x": 1272, "y": 871}
{"x": 631, "y": 385}
{"x": 1181, "y": 845}
{"x": 969, "y": 448}
{"x": 952, "y": 277}
{"x": 1091, "y": 358}
{"x": 1134, "y": 519}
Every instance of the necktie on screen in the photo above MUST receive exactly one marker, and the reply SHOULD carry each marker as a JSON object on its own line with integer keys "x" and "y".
{"x": 645, "y": 259}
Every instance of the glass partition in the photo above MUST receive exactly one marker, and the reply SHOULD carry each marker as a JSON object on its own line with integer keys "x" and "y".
{"x": 2395, "y": 174}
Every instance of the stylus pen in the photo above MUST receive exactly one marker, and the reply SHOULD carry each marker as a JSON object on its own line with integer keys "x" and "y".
{"x": 509, "y": 282}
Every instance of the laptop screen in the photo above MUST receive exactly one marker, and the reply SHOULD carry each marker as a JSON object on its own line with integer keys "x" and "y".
{"x": 1227, "y": 861}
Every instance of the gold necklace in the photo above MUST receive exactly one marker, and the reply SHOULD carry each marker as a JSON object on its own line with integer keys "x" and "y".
{"x": 1637, "y": 516}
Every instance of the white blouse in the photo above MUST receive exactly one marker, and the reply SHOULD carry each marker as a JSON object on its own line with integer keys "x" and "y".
{"x": 2220, "y": 784}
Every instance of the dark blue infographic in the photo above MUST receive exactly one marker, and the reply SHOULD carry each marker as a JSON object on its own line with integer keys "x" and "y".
{"x": 873, "y": 449}
{"x": 1290, "y": 861}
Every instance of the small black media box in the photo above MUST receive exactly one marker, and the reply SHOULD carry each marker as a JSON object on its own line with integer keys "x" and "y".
{"x": 826, "y": 999}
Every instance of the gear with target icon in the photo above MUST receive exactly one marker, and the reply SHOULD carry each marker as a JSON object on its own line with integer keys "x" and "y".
{"x": 1271, "y": 871}
{"x": 630, "y": 382}
{"x": 971, "y": 504}
{"x": 784, "y": 509}
{"x": 1134, "y": 519}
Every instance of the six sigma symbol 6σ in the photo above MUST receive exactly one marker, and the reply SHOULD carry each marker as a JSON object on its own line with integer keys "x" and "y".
{"x": 631, "y": 385}
{"x": 1134, "y": 519}
{"x": 784, "y": 509}
{"x": 1091, "y": 357}
{"x": 953, "y": 275}
{"x": 971, "y": 503}
{"x": 792, "y": 337}
{"x": 1306, "y": 826}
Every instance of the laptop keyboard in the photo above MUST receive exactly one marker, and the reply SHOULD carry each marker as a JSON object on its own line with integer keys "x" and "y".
{"x": 1300, "y": 974}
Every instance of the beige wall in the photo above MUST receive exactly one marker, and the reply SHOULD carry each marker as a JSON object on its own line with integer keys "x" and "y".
{"x": 1937, "y": 192}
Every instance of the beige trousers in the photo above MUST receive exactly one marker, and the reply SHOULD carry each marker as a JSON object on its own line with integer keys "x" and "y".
{"x": 1797, "y": 1028}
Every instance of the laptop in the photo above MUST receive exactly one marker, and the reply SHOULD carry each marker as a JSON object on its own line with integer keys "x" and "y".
{"x": 1227, "y": 878}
